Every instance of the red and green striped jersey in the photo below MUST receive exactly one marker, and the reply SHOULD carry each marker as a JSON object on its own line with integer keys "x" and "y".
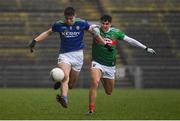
{"x": 101, "y": 54}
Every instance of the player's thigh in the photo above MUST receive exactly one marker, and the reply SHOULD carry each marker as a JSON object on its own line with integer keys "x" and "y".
{"x": 108, "y": 85}
{"x": 66, "y": 68}
{"x": 74, "y": 75}
{"x": 95, "y": 75}
{"x": 75, "y": 70}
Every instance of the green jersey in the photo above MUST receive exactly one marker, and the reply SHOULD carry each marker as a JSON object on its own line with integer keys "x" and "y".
{"x": 101, "y": 54}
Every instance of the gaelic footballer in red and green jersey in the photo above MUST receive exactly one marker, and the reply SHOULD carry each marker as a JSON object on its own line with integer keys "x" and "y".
{"x": 101, "y": 54}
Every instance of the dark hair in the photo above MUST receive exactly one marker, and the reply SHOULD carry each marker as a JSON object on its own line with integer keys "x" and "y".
{"x": 105, "y": 18}
{"x": 69, "y": 11}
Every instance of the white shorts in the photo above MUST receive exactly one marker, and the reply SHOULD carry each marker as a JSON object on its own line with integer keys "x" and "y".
{"x": 107, "y": 71}
{"x": 75, "y": 59}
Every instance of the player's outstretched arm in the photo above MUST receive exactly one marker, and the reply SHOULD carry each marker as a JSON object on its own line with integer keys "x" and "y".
{"x": 95, "y": 30}
{"x": 41, "y": 37}
{"x": 138, "y": 44}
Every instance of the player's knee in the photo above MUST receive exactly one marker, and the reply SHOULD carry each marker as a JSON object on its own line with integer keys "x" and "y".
{"x": 66, "y": 77}
{"x": 108, "y": 92}
{"x": 65, "y": 81}
{"x": 94, "y": 84}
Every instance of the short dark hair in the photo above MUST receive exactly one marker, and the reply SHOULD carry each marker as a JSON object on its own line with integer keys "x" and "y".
{"x": 105, "y": 18}
{"x": 69, "y": 11}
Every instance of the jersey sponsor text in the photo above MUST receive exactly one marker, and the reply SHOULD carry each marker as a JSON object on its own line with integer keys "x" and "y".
{"x": 70, "y": 34}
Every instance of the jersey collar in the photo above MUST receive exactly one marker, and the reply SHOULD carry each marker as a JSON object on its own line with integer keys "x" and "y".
{"x": 106, "y": 31}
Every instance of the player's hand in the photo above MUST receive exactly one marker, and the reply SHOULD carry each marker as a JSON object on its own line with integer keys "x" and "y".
{"x": 32, "y": 45}
{"x": 150, "y": 50}
{"x": 96, "y": 31}
{"x": 109, "y": 47}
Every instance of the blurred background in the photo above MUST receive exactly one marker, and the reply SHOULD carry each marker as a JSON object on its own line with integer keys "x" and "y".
{"x": 155, "y": 23}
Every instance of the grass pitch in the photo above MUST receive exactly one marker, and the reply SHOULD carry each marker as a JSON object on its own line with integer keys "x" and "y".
{"x": 123, "y": 104}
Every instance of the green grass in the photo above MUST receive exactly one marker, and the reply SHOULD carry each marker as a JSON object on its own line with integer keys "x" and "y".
{"x": 127, "y": 104}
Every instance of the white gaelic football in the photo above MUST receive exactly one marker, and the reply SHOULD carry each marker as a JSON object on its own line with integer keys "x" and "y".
{"x": 57, "y": 74}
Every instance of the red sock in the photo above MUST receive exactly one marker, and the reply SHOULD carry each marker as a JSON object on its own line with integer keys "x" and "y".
{"x": 91, "y": 107}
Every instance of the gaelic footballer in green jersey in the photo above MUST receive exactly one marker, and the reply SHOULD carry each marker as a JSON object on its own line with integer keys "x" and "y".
{"x": 103, "y": 61}
{"x": 101, "y": 55}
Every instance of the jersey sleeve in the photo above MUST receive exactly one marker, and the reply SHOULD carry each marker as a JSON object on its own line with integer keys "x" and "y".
{"x": 54, "y": 27}
{"x": 86, "y": 25}
{"x": 120, "y": 35}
